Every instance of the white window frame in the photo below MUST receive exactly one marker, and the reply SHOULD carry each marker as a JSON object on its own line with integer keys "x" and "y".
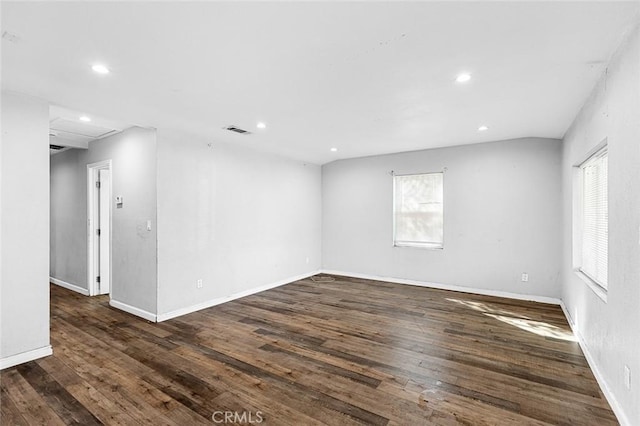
{"x": 421, "y": 245}
{"x": 599, "y": 288}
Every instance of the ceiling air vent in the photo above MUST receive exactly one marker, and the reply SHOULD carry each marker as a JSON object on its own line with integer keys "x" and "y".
{"x": 237, "y": 129}
{"x": 56, "y": 147}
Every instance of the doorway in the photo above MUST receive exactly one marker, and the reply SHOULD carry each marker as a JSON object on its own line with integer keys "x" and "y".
{"x": 99, "y": 227}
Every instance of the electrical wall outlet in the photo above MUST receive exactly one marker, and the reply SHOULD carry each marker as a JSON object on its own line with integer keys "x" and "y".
{"x": 199, "y": 284}
{"x": 525, "y": 277}
{"x": 307, "y": 260}
{"x": 627, "y": 377}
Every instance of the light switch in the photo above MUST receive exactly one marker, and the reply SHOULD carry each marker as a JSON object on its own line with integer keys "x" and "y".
{"x": 148, "y": 225}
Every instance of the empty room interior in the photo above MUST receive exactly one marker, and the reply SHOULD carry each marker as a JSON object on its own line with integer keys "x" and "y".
{"x": 301, "y": 213}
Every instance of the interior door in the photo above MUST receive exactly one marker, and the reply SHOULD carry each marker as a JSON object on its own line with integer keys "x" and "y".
{"x": 105, "y": 231}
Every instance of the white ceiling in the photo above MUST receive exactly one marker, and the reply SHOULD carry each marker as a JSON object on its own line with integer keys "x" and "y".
{"x": 68, "y": 130}
{"x": 365, "y": 77}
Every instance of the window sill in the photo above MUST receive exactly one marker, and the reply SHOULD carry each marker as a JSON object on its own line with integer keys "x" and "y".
{"x": 419, "y": 246}
{"x": 594, "y": 286}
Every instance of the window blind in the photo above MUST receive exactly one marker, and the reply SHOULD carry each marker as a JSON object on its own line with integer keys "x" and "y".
{"x": 418, "y": 210}
{"x": 595, "y": 218}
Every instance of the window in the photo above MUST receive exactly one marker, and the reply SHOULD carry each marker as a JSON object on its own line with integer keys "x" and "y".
{"x": 595, "y": 218}
{"x": 418, "y": 210}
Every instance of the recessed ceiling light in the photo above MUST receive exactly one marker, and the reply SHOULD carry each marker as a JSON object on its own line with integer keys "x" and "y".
{"x": 483, "y": 128}
{"x": 85, "y": 119}
{"x": 463, "y": 78}
{"x": 261, "y": 125}
{"x": 334, "y": 150}
{"x": 100, "y": 69}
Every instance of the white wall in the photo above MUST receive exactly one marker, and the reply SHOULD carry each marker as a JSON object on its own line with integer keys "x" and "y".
{"x": 68, "y": 218}
{"x": 24, "y": 312}
{"x": 235, "y": 218}
{"x": 611, "y": 329}
{"x": 501, "y": 217}
{"x": 134, "y": 251}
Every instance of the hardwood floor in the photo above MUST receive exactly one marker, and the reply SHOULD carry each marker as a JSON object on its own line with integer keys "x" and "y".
{"x": 346, "y": 352}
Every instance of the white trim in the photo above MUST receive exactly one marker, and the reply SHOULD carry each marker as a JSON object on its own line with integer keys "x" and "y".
{"x": 578, "y": 218}
{"x": 602, "y": 145}
{"x": 220, "y": 300}
{"x": 92, "y": 170}
{"x": 133, "y": 310}
{"x": 69, "y": 286}
{"x": 23, "y": 357}
{"x": 600, "y": 291}
{"x": 473, "y": 290}
{"x": 425, "y": 246}
{"x": 407, "y": 244}
{"x": 606, "y": 390}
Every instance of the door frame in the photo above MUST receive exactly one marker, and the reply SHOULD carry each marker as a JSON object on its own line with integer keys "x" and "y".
{"x": 92, "y": 222}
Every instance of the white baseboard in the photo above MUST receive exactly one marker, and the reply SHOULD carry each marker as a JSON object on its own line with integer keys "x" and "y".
{"x": 606, "y": 390}
{"x": 472, "y": 290}
{"x": 69, "y": 286}
{"x": 23, "y": 357}
{"x": 220, "y": 300}
{"x": 133, "y": 310}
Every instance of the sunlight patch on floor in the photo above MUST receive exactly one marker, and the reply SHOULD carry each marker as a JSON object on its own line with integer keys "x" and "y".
{"x": 517, "y": 320}
{"x": 483, "y": 307}
{"x": 537, "y": 327}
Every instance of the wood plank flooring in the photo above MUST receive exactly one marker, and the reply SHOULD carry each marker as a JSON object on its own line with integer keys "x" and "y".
{"x": 346, "y": 352}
